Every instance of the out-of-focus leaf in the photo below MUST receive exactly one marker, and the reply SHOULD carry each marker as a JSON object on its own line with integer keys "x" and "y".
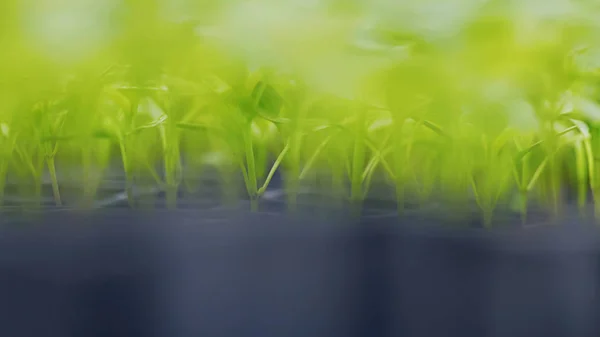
{"x": 268, "y": 101}
{"x": 150, "y": 125}
{"x": 5, "y": 130}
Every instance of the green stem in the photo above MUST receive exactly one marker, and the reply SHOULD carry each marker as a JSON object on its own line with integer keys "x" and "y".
{"x": 596, "y": 193}
{"x": 524, "y": 206}
{"x": 399, "y": 162}
{"x": 337, "y": 183}
{"x": 523, "y": 189}
{"x": 582, "y": 176}
{"x": 592, "y": 175}
{"x": 171, "y": 196}
{"x": 126, "y": 163}
{"x": 293, "y": 181}
{"x": 540, "y": 142}
{"x": 39, "y": 168}
{"x": 173, "y": 172}
{"x": 3, "y": 173}
{"x": 371, "y": 169}
{"x": 128, "y": 174}
{"x": 596, "y": 196}
{"x": 229, "y": 186}
{"x": 274, "y": 168}
{"x": 555, "y": 185}
{"x": 53, "y": 177}
{"x": 38, "y": 192}
{"x": 313, "y": 158}
{"x": 488, "y": 214}
{"x": 592, "y": 148}
{"x": 251, "y": 165}
{"x": 86, "y": 159}
{"x": 292, "y": 187}
{"x": 358, "y": 162}
{"x": 171, "y": 191}
{"x": 400, "y": 197}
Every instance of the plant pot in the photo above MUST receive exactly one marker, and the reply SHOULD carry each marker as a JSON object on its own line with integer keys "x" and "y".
{"x": 67, "y": 273}
{"x": 265, "y": 275}
{"x": 546, "y": 283}
{"x": 225, "y": 271}
{"x": 215, "y": 271}
{"x": 451, "y": 281}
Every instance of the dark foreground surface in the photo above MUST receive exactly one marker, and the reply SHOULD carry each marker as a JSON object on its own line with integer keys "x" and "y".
{"x": 228, "y": 272}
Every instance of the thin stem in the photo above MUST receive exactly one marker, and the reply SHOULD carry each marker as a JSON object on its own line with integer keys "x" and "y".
{"x": 274, "y": 168}
{"x": 126, "y": 163}
{"x": 524, "y": 189}
{"x": 555, "y": 185}
{"x": 368, "y": 175}
{"x": 370, "y": 170}
{"x": 592, "y": 178}
{"x": 524, "y": 205}
{"x": 505, "y": 179}
{"x": 171, "y": 190}
{"x": 337, "y": 181}
{"x": 251, "y": 165}
{"x": 540, "y": 142}
{"x": 27, "y": 161}
{"x": 3, "y": 173}
{"x": 591, "y": 162}
{"x": 358, "y": 161}
{"x": 592, "y": 146}
{"x": 254, "y": 204}
{"x": 128, "y": 174}
{"x": 596, "y": 195}
{"x": 399, "y": 163}
{"x": 53, "y": 177}
{"x": 596, "y": 189}
{"x": 488, "y": 214}
{"x": 537, "y": 174}
{"x": 245, "y": 176}
{"x": 478, "y": 199}
{"x": 314, "y": 157}
{"x": 38, "y": 190}
{"x": 433, "y": 127}
{"x": 485, "y": 204}
{"x": 582, "y": 176}
{"x": 37, "y": 173}
{"x": 293, "y": 181}
{"x": 172, "y": 171}
{"x": 400, "y": 197}
{"x": 87, "y": 167}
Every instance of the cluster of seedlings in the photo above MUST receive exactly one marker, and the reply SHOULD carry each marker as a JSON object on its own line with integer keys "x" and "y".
{"x": 499, "y": 112}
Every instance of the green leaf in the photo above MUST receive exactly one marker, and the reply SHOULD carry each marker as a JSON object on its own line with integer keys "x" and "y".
{"x": 4, "y": 130}
{"x": 267, "y": 99}
{"x": 246, "y": 107}
{"x": 160, "y": 121}
{"x": 104, "y": 134}
{"x": 193, "y": 126}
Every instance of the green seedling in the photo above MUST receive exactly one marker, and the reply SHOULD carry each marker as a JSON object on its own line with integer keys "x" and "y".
{"x": 247, "y": 132}
{"x": 185, "y": 103}
{"x": 584, "y": 118}
{"x": 352, "y": 139}
{"x": 490, "y": 177}
{"x": 126, "y": 122}
{"x": 398, "y": 113}
{"x": 42, "y": 127}
{"x": 527, "y": 170}
{"x": 88, "y": 108}
{"x": 51, "y": 130}
{"x": 8, "y": 139}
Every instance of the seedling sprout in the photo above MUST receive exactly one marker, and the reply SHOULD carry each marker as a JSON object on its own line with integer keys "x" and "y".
{"x": 497, "y": 113}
